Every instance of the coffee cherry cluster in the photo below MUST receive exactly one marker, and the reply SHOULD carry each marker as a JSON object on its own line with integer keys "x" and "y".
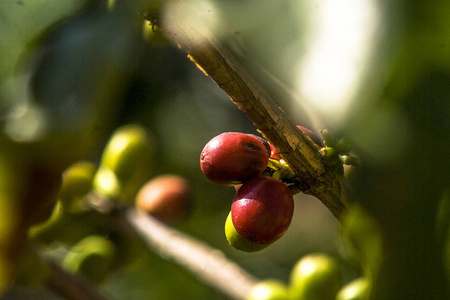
{"x": 314, "y": 276}
{"x": 263, "y": 206}
{"x": 122, "y": 178}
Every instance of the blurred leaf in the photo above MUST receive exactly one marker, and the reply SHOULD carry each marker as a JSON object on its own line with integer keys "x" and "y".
{"x": 401, "y": 124}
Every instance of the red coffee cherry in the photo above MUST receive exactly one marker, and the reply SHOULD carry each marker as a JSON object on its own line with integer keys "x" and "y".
{"x": 262, "y": 210}
{"x": 265, "y": 143}
{"x": 166, "y": 197}
{"x": 274, "y": 154}
{"x": 233, "y": 157}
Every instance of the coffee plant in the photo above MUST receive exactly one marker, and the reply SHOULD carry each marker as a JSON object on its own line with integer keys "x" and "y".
{"x": 106, "y": 107}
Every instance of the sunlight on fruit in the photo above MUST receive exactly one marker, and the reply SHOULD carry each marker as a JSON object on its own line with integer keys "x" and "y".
{"x": 269, "y": 289}
{"x": 307, "y": 267}
{"x": 106, "y": 183}
{"x": 358, "y": 289}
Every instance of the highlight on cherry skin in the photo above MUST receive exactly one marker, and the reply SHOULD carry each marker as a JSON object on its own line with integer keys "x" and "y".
{"x": 316, "y": 276}
{"x": 357, "y": 289}
{"x": 269, "y": 289}
{"x": 233, "y": 157}
{"x": 262, "y": 210}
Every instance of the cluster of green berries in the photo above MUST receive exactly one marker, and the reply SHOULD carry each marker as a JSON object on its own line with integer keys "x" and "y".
{"x": 315, "y": 276}
{"x": 123, "y": 177}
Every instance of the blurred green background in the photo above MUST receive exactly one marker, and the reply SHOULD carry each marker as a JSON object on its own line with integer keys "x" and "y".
{"x": 73, "y": 71}
{"x": 74, "y": 66}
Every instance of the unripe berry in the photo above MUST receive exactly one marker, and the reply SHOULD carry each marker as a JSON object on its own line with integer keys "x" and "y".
{"x": 237, "y": 242}
{"x": 68, "y": 227}
{"x": 107, "y": 184}
{"x": 125, "y": 164}
{"x": 316, "y": 276}
{"x": 270, "y": 289}
{"x": 92, "y": 257}
{"x": 128, "y": 146}
{"x": 357, "y": 289}
{"x": 167, "y": 197}
{"x": 77, "y": 182}
{"x": 233, "y": 157}
{"x": 262, "y": 210}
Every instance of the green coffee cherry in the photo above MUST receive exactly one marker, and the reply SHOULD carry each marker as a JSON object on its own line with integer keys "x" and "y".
{"x": 77, "y": 182}
{"x": 67, "y": 228}
{"x": 127, "y": 145}
{"x": 107, "y": 184}
{"x": 270, "y": 289}
{"x": 92, "y": 257}
{"x": 357, "y": 289}
{"x": 239, "y": 243}
{"x": 315, "y": 277}
{"x": 125, "y": 164}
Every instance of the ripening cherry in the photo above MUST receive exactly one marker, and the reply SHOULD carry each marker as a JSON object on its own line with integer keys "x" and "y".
{"x": 166, "y": 197}
{"x": 233, "y": 157}
{"x": 262, "y": 210}
{"x": 239, "y": 243}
